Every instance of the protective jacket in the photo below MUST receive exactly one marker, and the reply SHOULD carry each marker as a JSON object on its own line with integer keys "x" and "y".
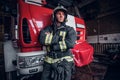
{"x": 58, "y": 42}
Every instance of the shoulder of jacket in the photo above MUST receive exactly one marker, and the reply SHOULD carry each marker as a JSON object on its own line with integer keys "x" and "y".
{"x": 69, "y": 27}
{"x": 47, "y": 28}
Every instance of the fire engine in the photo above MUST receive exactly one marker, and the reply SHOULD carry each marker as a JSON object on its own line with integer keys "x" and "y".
{"x": 25, "y": 48}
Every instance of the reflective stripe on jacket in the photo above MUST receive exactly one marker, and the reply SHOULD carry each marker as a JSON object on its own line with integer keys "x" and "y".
{"x": 48, "y": 39}
{"x": 51, "y": 60}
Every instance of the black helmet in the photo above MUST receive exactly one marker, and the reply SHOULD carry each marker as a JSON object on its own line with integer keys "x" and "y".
{"x": 59, "y": 8}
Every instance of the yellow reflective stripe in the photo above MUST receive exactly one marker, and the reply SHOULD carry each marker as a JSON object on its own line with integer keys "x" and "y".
{"x": 51, "y": 60}
{"x": 48, "y": 48}
{"x": 62, "y": 45}
{"x": 63, "y": 33}
{"x": 48, "y": 39}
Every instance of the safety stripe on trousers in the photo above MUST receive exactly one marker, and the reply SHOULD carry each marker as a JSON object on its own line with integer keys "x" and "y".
{"x": 51, "y": 60}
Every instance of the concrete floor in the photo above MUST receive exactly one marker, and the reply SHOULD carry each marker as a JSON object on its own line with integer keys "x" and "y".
{"x": 98, "y": 72}
{"x": 92, "y": 72}
{"x": 113, "y": 72}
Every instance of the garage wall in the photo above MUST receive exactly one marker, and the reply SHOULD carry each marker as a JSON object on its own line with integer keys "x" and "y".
{"x": 105, "y": 25}
{"x": 104, "y": 32}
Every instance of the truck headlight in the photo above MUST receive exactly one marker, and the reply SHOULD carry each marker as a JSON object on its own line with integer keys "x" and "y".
{"x": 30, "y": 61}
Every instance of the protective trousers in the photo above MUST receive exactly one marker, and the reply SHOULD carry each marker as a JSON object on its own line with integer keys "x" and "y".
{"x": 58, "y": 71}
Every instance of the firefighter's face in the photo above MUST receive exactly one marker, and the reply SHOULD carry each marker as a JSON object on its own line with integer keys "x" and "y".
{"x": 60, "y": 15}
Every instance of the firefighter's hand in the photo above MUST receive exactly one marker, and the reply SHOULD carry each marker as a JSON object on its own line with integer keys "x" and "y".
{"x": 47, "y": 33}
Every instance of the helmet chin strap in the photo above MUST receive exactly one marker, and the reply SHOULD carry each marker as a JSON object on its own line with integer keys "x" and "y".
{"x": 60, "y": 24}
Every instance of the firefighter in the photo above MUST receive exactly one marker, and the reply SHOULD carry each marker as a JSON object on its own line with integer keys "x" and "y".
{"x": 58, "y": 39}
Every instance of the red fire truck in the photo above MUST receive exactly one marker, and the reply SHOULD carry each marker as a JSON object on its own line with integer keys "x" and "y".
{"x": 29, "y": 54}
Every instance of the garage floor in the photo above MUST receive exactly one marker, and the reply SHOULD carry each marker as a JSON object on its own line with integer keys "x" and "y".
{"x": 113, "y": 72}
{"x": 92, "y": 71}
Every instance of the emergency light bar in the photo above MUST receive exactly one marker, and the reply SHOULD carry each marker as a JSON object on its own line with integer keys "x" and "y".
{"x": 36, "y": 2}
